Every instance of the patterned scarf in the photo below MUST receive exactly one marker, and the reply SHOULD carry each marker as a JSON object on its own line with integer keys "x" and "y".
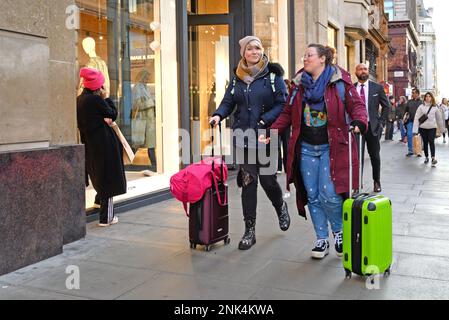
{"x": 249, "y": 74}
{"x": 314, "y": 90}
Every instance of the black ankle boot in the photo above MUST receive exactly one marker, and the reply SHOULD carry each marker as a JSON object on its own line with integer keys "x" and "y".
{"x": 284, "y": 218}
{"x": 249, "y": 238}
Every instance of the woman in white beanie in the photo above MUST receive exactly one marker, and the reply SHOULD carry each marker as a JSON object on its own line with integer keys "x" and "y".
{"x": 258, "y": 94}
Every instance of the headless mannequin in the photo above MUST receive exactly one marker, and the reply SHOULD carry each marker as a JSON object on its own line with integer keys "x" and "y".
{"x": 95, "y": 62}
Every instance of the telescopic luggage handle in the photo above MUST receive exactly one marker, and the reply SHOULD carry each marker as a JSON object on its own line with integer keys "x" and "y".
{"x": 351, "y": 131}
{"x": 212, "y": 124}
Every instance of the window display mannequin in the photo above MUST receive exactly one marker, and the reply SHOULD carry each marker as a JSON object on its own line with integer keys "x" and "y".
{"x": 144, "y": 107}
{"x": 95, "y": 62}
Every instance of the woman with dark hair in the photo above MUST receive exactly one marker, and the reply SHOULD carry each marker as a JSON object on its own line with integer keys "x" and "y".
{"x": 428, "y": 117}
{"x": 320, "y": 106}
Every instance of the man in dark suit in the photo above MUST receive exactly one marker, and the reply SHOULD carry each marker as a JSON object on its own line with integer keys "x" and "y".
{"x": 378, "y": 107}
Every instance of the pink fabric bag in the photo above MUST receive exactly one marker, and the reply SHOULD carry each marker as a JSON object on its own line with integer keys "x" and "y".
{"x": 190, "y": 184}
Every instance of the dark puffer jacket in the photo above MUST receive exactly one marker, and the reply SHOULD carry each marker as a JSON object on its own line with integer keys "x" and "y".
{"x": 253, "y": 103}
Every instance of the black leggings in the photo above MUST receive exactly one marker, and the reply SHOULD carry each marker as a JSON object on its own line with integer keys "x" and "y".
{"x": 269, "y": 184}
{"x": 428, "y": 137}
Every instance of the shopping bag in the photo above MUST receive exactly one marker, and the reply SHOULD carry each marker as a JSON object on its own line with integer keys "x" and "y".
{"x": 142, "y": 158}
{"x": 128, "y": 154}
{"x": 138, "y": 127}
{"x": 417, "y": 145}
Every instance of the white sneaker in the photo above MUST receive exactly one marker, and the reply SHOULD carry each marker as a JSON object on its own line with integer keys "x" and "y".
{"x": 113, "y": 221}
{"x": 103, "y": 224}
{"x": 286, "y": 195}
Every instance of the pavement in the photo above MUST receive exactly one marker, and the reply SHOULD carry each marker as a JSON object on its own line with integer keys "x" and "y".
{"x": 147, "y": 254}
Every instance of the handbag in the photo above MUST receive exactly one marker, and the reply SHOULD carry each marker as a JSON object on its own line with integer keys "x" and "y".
{"x": 424, "y": 117}
{"x": 417, "y": 145}
{"x": 128, "y": 154}
{"x": 405, "y": 118}
{"x": 138, "y": 127}
{"x": 438, "y": 133}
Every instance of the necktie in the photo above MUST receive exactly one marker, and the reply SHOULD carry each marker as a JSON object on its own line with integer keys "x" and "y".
{"x": 362, "y": 93}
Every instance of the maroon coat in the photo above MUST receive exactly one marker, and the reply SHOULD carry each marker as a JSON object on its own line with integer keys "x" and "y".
{"x": 337, "y": 132}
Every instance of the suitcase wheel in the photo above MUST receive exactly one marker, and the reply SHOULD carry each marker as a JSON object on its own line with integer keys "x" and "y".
{"x": 227, "y": 241}
{"x": 387, "y": 272}
{"x": 348, "y": 274}
{"x": 207, "y": 248}
{"x": 192, "y": 245}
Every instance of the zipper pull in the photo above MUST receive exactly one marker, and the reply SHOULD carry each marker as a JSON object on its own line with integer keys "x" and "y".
{"x": 358, "y": 238}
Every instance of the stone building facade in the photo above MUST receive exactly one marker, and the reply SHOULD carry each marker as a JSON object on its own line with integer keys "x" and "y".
{"x": 41, "y": 166}
{"x": 404, "y": 70}
{"x": 428, "y": 60}
{"x": 357, "y": 29}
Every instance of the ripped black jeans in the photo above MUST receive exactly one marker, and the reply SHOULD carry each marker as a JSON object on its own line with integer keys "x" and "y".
{"x": 251, "y": 170}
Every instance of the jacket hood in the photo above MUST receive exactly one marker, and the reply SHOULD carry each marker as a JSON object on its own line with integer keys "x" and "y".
{"x": 339, "y": 74}
{"x": 276, "y": 68}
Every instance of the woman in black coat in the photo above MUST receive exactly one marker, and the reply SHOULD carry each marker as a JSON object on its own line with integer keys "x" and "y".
{"x": 257, "y": 94}
{"x": 103, "y": 150}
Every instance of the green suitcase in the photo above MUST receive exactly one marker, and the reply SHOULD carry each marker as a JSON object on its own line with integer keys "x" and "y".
{"x": 367, "y": 231}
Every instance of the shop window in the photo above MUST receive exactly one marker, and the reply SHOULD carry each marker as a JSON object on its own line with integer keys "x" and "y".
{"x": 266, "y": 26}
{"x": 208, "y": 6}
{"x": 122, "y": 39}
{"x": 332, "y": 37}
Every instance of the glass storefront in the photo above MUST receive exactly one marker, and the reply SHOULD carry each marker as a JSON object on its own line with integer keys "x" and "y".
{"x": 270, "y": 23}
{"x": 208, "y": 6}
{"x": 209, "y": 71}
{"x": 209, "y": 77}
{"x": 122, "y": 39}
{"x": 135, "y": 44}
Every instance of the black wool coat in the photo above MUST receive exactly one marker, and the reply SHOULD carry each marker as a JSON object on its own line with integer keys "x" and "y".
{"x": 104, "y": 152}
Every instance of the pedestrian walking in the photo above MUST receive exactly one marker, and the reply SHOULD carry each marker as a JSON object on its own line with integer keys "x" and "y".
{"x": 318, "y": 159}
{"x": 427, "y": 119}
{"x": 444, "y": 108}
{"x": 374, "y": 96}
{"x": 103, "y": 150}
{"x": 400, "y": 111}
{"x": 409, "y": 118}
{"x": 391, "y": 119}
{"x": 258, "y": 94}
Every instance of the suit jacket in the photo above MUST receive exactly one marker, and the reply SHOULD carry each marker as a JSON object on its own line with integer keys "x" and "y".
{"x": 376, "y": 97}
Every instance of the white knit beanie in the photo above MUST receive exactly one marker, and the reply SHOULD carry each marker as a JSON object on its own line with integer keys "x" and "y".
{"x": 247, "y": 40}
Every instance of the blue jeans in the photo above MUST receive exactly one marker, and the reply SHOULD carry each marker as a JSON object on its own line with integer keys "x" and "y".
{"x": 324, "y": 204}
{"x": 401, "y": 127}
{"x": 410, "y": 136}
